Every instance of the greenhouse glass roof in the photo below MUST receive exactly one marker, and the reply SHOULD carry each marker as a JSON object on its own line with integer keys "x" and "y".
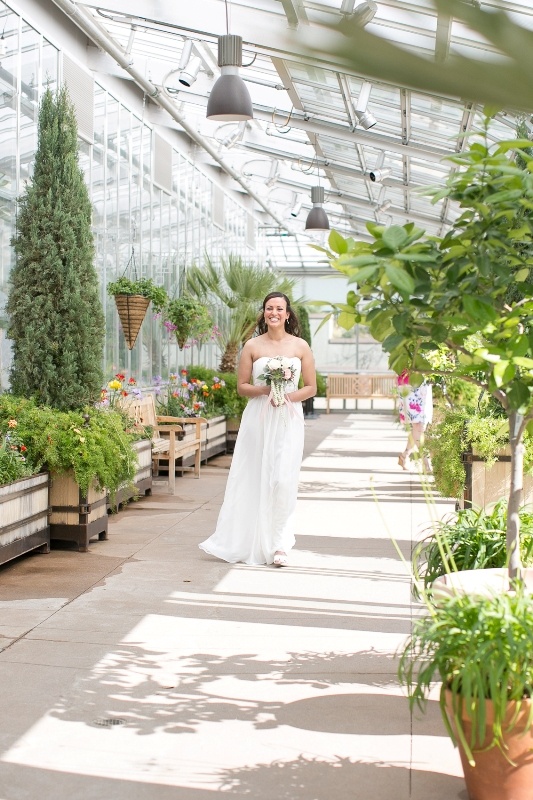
{"x": 302, "y": 66}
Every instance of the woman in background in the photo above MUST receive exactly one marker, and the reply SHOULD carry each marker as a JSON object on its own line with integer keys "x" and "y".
{"x": 415, "y": 406}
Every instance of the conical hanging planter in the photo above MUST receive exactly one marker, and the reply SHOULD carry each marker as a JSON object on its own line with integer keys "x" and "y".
{"x": 132, "y": 310}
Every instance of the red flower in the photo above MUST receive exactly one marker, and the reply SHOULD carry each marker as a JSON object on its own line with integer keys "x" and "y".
{"x": 132, "y": 382}
{"x": 124, "y": 393}
{"x": 23, "y": 448}
{"x": 120, "y": 377}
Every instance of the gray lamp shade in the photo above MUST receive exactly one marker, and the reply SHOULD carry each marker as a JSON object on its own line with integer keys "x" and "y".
{"x": 229, "y": 100}
{"x": 317, "y": 219}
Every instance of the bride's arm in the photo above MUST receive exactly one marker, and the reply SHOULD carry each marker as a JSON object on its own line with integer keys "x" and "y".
{"x": 244, "y": 375}
{"x": 308, "y": 376}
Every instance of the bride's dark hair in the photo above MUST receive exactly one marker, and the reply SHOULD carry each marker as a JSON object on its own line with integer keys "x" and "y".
{"x": 292, "y": 324}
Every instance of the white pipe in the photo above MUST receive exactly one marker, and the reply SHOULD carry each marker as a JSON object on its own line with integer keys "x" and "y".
{"x": 100, "y": 37}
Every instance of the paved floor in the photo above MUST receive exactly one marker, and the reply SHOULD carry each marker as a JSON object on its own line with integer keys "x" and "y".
{"x": 147, "y": 670}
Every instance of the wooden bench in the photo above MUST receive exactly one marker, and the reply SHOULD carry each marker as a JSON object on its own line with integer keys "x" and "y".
{"x": 168, "y": 442}
{"x": 361, "y": 387}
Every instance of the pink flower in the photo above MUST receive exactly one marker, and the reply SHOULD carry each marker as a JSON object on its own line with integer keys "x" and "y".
{"x": 287, "y": 374}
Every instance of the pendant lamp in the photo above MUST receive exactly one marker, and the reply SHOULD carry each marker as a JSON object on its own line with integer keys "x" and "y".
{"x": 229, "y": 100}
{"x": 317, "y": 219}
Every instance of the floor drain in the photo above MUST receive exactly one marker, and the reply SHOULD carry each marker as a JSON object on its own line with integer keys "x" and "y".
{"x": 109, "y": 722}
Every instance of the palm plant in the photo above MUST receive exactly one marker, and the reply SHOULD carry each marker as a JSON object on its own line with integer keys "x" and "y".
{"x": 234, "y": 291}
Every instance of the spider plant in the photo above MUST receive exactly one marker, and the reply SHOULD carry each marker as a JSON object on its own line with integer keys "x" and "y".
{"x": 469, "y": 539}
{"x": 481, "y": 648}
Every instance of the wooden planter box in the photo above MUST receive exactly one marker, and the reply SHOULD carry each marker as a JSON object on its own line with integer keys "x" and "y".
{"x": 142, "y": 481}
{"x": 232, "y": 429}
{"x": 75, "y": 518}
{"x": 486, "y": 485}
{"x": 24, "y": 522}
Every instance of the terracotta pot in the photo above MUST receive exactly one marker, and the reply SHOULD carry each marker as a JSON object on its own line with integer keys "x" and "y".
{"x": 493, "y": 777}
{"x": 132, "y": 310}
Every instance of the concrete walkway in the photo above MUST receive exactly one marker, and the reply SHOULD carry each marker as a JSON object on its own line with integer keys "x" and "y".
{"x": 146, "y": 670}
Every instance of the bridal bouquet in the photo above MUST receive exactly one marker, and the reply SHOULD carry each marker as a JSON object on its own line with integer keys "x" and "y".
{"x": 278, "y": 372}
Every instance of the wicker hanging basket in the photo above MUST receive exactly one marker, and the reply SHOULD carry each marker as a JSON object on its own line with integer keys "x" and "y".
{"x": 132, "y": 310}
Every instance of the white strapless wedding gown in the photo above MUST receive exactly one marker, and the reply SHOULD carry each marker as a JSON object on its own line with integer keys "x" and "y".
{"x": 256, "y": 517}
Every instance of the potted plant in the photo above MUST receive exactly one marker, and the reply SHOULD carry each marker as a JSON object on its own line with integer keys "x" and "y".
{"x": 469, "y": 539}
{"x": 132, "y": 298}
{"x": 23, "y": 498}
{"x": 88, "y": 454}
{"x": 481, "y": 648}
{"x": 188, "y": 319}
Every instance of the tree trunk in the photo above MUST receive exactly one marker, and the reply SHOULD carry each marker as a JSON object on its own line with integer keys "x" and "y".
{"x": 228, "y": 362}
{"x": 516, "y": 434}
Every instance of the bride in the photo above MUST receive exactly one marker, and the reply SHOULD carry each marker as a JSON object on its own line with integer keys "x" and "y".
{"x": 255, "y": 521}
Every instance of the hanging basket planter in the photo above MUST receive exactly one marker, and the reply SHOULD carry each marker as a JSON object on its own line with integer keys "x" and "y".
{"x": 132, "y": 310}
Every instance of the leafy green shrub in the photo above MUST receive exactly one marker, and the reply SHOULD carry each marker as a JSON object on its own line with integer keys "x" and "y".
{"x": 14, "y": 463}
{"x": 458, "y": 430}
{"x": 91, "y": 442}
{"x": 470, "y": 539}
{"x": 320, "y": 385}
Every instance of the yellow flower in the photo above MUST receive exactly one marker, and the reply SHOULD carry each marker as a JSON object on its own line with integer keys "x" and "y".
{"x": 114, "y": 385}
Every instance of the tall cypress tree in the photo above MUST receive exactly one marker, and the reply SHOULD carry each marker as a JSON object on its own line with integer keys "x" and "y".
{"x": 56, "y": 318}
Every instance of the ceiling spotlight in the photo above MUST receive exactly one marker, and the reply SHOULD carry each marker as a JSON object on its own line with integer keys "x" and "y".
{"x": 229, "y": 100}
{"x": 366, "y": 119}
{"x": 297, "y": 206}
{"x": 379, "y": 175}
{"x": 273, "y": 175}
{"x": 236, "y": 136}
{"x": 188, "y": 76}
{"x": 363, "y": 14}
{"x": 317, "y": 219}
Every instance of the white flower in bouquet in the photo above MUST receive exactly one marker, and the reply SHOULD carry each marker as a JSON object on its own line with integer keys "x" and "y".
{"x": 279, "y": 371}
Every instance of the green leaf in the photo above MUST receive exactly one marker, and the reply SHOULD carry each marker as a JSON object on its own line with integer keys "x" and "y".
{"x": 527, "y": 363}
{"x": 519, "y": 397}
{"x": 362, "y": 275}
{"x": 337, "y": 242}
{"x": 395, "y": 237}
{"x": 380, "y": 326}
{"x": 346, "y": 320}
{"x": 375, "y": 229}
{"x": 391, "y": 342}
{"x": 522, "y": 275}
{"x": 479, "y": 309}
{"x": 400, "y": 279}
{"x": 503, "y": 372}
{"x": 358, "y": 261}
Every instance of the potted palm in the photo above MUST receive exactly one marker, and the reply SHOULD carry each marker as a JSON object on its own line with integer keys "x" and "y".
{"x": 132, "y": 298}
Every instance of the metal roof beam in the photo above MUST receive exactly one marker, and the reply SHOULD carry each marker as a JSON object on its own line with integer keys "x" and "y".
{"x": 295, "y": 12}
